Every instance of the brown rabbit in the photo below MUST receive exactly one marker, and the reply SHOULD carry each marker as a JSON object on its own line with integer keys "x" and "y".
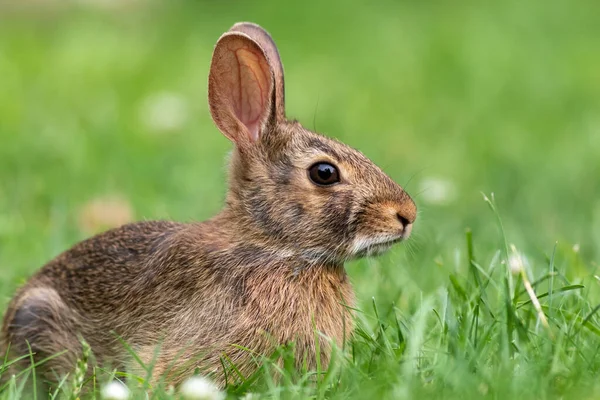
{"x": 267, "y": 270}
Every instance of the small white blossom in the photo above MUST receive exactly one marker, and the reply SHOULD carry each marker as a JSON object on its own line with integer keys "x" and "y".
{"x": 200, "y": 388}
{"x": 576, "y": 248}
{"x": 515, "y": 264}
{"x": 115, "y": 390}
{"x": 437, "y": 191}
{"x": 517, "y": 261}
{"x": 164, "y": 112}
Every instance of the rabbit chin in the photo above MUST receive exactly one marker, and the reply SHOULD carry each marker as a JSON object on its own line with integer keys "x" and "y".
{"x": 364, "y": 246}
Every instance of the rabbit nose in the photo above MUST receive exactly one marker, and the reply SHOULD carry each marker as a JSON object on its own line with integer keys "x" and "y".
{"x": 406, "y": 213}
{"x": 403, "y": 220}
{"x": 406, "y": 224}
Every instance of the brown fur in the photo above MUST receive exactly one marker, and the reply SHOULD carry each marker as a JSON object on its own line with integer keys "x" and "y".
{"x": 267, "y": 270}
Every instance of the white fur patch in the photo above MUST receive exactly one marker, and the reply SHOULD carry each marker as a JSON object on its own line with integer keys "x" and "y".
{"x": 362, "y": 243}
{"x": 284, "y": 253}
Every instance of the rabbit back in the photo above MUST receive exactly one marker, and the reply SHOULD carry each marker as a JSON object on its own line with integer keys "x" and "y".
{"x": 85, "y": 291}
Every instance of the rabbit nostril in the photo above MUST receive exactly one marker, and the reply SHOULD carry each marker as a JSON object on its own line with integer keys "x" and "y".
{"x": 404, "y": 221}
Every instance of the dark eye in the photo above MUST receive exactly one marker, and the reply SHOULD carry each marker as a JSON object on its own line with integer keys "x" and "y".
{"x": 324, "y": 174}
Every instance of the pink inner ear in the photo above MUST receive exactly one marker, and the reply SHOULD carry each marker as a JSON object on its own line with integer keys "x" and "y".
{"x": 251, "y": 89}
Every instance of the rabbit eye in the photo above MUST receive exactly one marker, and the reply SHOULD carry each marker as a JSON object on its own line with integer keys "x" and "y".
{"x": 324, "y": 174}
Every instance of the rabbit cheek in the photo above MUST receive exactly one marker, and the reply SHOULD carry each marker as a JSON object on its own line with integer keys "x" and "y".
{"x": 336, "y": 214}
{"x": 283, "y": 219}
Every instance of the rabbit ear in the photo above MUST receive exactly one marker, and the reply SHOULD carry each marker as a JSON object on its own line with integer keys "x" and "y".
{"x": 241, "y": 88}
{"x": 265, "y": 41}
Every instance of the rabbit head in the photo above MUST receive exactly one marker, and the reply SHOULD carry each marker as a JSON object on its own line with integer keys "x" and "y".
{"x": 293, "y": 190}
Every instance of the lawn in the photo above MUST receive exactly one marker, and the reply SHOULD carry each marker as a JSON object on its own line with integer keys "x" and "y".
{"x": 487, "y": 113}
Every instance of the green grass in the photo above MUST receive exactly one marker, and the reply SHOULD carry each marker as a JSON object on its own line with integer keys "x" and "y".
{"x": 486, "y": 97}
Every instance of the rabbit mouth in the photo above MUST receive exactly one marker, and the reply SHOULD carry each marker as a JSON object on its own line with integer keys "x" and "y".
{"x": 365, "y": 247}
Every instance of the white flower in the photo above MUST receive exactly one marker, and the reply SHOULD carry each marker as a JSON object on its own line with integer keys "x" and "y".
{"x": 515, "y": 265}
{"x": 517, "y": 261}
{"x": 164, "y": 112}
{"x": 200, "y": 388}
{"x": 115, "y": 390}
{"x": 437, "y": 190}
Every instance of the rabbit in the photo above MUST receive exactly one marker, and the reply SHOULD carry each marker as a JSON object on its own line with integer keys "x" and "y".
{"x": 267, "y": 270}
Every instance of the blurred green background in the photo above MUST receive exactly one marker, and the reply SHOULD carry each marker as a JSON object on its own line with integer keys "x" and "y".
{"x": 104, "y": 118}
